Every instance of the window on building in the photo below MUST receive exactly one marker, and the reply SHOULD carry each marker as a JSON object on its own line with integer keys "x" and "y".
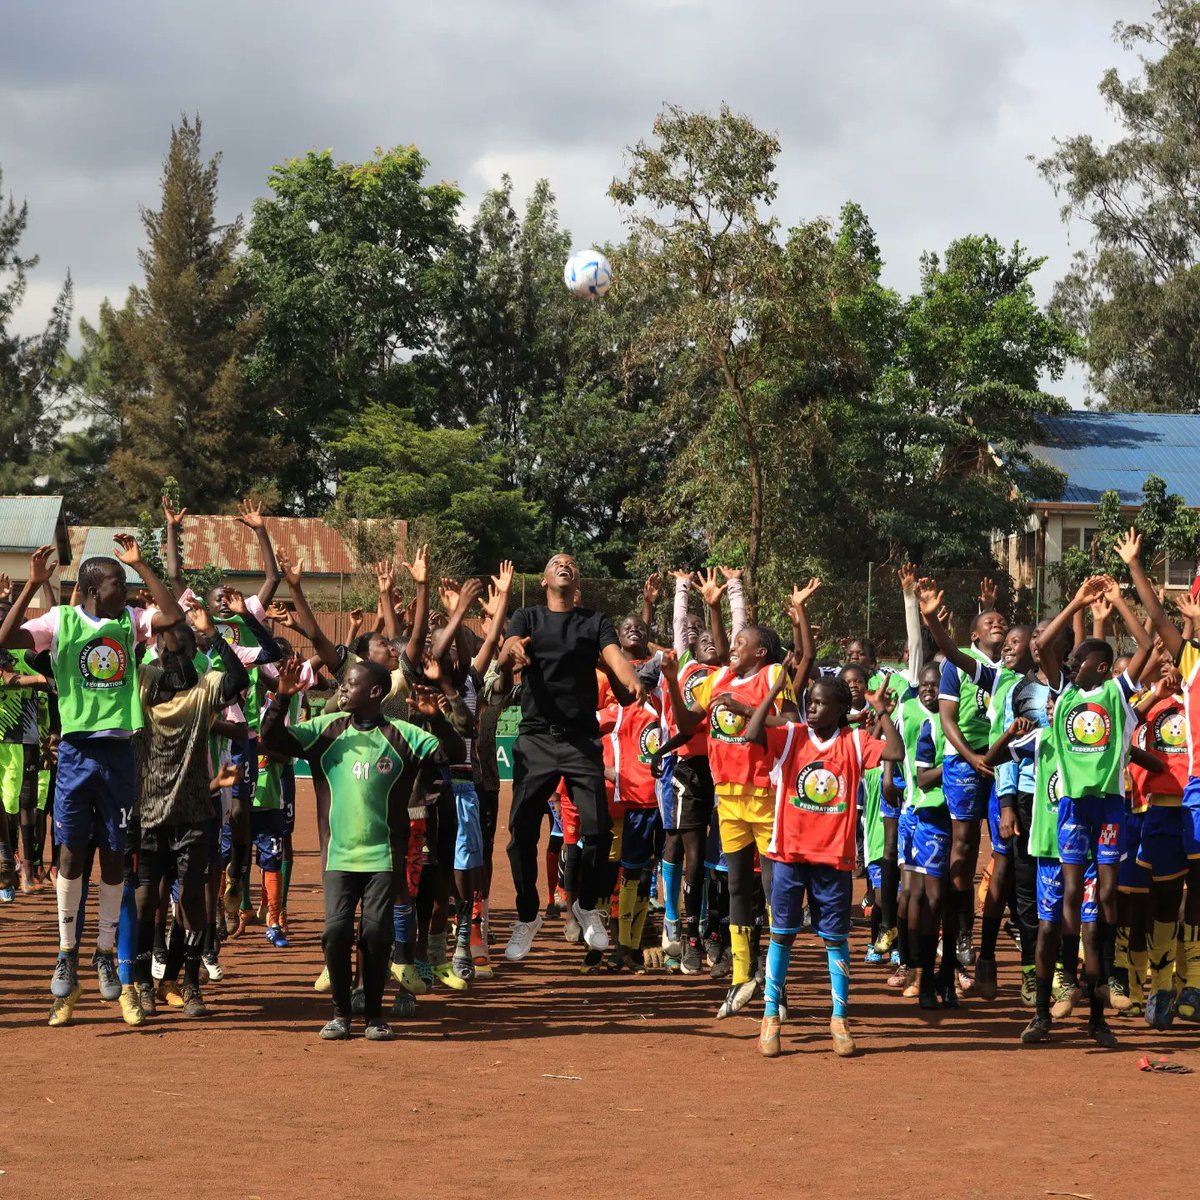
{"x": 1180, "y": 572}
{"x": 1087, "y": 534}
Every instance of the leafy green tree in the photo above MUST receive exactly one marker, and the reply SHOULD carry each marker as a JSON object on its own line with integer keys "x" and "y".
{"x": 1135, "y": 293}
{"x": 389, "y": 466}
{"x": 29, "y": 389}
{"x": 151, "y": 538}
{"x": 347, "y": 262}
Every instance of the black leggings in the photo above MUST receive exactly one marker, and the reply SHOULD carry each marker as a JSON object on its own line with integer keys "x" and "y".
{"x": 344, "y": 891}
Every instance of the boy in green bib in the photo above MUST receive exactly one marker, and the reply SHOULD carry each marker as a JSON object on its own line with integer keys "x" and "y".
{"x": 92, "y": 650}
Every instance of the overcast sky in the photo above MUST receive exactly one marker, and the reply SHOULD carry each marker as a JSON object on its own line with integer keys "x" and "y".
{"x": 923, "y": 111}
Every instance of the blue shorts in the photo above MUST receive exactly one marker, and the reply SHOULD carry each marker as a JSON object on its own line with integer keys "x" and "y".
{"x": 633, "y": 837}
{"x": 266, "y": 832}
{"x": 930, "y": 843}
{"x": 1050, "y": 892}
{"x": 287, "y": 797}
{"x": 830, "y": 895}
{"x": 1132, "y": 876}
{"x": 966, "y": 791}
{"x": 875, "y": 874}
{"x": 1091, "y": 828}
{"x": 1161, "y": 848}
{"x": 999, "y": 845}
{"x": 664, "y": 789}
{"x": 244, "y": 756}
{"x": 94, "y": 792}
{"x": 1191, "y": 818}
{"x": 904, "y": 837}
{"x": 468, "y": 843}
{"x": 714, "y": 856}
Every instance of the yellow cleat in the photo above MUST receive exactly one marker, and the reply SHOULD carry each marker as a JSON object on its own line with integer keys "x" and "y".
{"x": 445, "y": 973}
{"x": 62, "y": 1010}
{"x": 323, "y": 983}
{"x": 407, "y": 976}
{"x": 843, "y": 1043}
{"x": 131, "y": 1008}
{"x": 484, "y": 969}
{"x": 169, "y": 994}
{"x": 886, "y": 940}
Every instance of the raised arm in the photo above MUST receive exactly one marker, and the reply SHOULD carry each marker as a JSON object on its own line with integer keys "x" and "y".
{"x": 756, "y": 726}
{"x": 236, "y": 678}
{"x": 907, "y": 575}
{"x": 651, "y": 591}
{"x": 470, "y": 591}
{"x": 171, "y": 555}
{"x": 41, "y": 567}
{"x": 737, "y": 599}
{"x": 1101, "y": 609}
{"x": 929, "y": 599}
{"x": 1130, "y": 549}
{"x": 1048, "y": 642}
{"x": 293, "y": 572}
{"x": 893, "y": 743}
{"x": 679, "y": 611}
{"x": 496, "y": 608}
{"x": 802, "y": 638}
{"x": 620, "y": 668}
{"x": 711, "y": 592}
{"x": 169, "y": 613}
{"x": 274, "y": 733}
{"x": 268, "y": 651}
{"x": 419, "y": 570}
{"x": 1145, "y": 643}
{"x": 250, "y": 515}
{"x": 387, "y": 609}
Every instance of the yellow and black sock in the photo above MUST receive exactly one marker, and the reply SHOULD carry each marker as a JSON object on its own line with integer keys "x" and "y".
{"x": 739, "y": 941}
{"x": 1160, "y": 951}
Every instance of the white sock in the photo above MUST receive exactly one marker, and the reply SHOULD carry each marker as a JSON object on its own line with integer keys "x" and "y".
{"x": 69, "y": 893}
{"x": 110, "y": 914}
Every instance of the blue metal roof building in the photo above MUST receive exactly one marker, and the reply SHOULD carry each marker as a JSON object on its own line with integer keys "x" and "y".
{"x": 1115, "y": 451}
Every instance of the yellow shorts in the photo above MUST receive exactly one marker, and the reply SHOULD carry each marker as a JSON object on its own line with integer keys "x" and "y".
{"x": 745, "y": 818}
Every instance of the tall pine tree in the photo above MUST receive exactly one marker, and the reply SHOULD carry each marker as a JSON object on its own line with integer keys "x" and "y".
{"x": 28, "y": 385}
{"x": 187, "y": 333}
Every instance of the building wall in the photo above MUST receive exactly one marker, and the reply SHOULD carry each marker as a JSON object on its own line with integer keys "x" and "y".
{"x": 16, "y": 567}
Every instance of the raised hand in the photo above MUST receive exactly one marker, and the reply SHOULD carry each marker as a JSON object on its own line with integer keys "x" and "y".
{"x": 289, "y": 676}
{"x": 468, "y": 594}
{"x": 1091, "y": 588}
{"x": 448, "y": 593}
{"x": 669, "y": 663}
{"x": 730, "y": 573}
{"x": 419, "y": 567}
{"x": 801, "y": 595}
{"x": 235, "y": 601}
{"x": 226, "y": 776}
{"x": 173, "y": 518}
{"x": 126, "y": 549}
{"x": 710, "y": 590}
{"x": 516, "y": 654}
{"x": 278, "y": 611}
{"x": 431, "y": 668}
{"x": 293, "y": 571}
{"x": 425, "y": 701}
{"x": 681, "y": 575}
{"x": 356, "y": 622}
{"x": 1189, "y": 610}
{"x": 1129, "y": 546}
{"x": 1101, "y": 609}
{"x": 906, "y": 573}
{"x": 250, "y": 514}
{"x": 929, "y": 597}
{"x": 5, "y": 587}
{"x": 383, "y": 576}
{"x": 652, "y": 588}
{"x": 198, "y": 616}
{"x": 987, "y": 594}
{"x": 504, "y": 580}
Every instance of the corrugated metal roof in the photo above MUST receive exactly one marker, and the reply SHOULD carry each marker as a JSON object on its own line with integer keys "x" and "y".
{"x": 96, "y": 541}
{"x": 227, "y": 543}
{"x": 27, "y": 522}
{"x": 1115, "y": 451}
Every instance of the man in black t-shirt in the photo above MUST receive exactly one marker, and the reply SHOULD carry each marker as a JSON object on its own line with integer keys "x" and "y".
{"x": 558, "y": 646}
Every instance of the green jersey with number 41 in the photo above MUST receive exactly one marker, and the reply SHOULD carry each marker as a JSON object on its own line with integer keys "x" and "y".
{"x": 366, "y": 775}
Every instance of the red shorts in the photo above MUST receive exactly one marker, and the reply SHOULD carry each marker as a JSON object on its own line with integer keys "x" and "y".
{"x": 416, "y": 847}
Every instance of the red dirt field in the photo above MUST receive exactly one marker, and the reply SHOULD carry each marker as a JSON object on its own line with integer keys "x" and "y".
{"x": 543, "y": 1082}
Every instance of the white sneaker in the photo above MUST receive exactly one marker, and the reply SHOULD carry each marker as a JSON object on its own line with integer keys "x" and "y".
{"x": 571, "y": 930}
{"x": 670, "y": 939}
{"x": 158, "y": 966}
{"x": 521, "y": 938}
{"x": 213, "y": 966}
{"x": 594, "y": 933}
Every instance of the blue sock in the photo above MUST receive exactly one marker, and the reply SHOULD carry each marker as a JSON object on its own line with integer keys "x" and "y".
{"x": 671, "y": 876}
{"x": 402, "y": 923}
{"x": 127, "y": 934}
{"x": 779, "y": 958}
{"x": 838, "y": 955}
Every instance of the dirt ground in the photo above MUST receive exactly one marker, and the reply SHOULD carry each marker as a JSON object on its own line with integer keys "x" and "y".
{"x": 544, "y": 1082}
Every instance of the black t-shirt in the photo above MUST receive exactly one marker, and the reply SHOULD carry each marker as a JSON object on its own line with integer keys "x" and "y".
{"x": 560, "y": 682}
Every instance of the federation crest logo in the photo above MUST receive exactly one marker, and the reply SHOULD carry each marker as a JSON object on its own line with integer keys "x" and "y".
{"x": 102, "y": 664}
{"x": 694, "y": 680}
{"x": 230, "y": 632}
{"x": 1052, "y": 793}
{"x": 1089, "y": 728}
{"x": 726, "y": 726}
{"x": 384, "y": 765}
{"x": 1170, "y": 733}
{"x": 818, "y": 789}
{"x": 649, "y": 742}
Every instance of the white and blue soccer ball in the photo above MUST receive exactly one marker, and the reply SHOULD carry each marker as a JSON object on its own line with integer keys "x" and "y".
{"x": 588, "y": 274}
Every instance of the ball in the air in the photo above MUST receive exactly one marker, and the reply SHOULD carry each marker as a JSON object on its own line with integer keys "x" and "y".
{"x": 588, "y": 274}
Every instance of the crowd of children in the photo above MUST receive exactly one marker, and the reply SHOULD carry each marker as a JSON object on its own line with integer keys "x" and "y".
{"x": 148, "y": 750}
